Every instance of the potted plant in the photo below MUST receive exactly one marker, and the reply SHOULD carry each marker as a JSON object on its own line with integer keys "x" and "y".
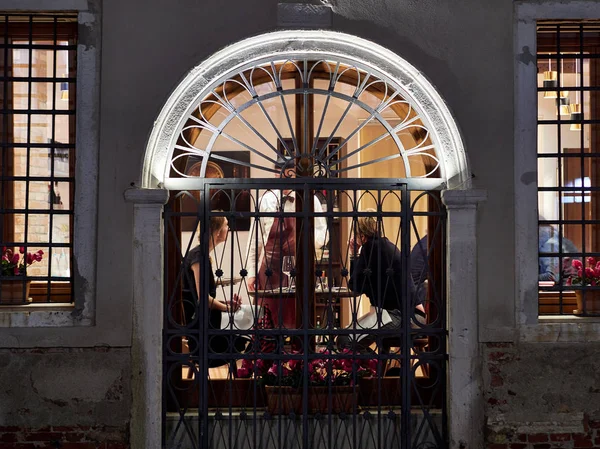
{"x": 584, "y": 277}
{"x": 328, "y": 377}
{"x": 334, "y": 381}
{"x": 14, "y": 286}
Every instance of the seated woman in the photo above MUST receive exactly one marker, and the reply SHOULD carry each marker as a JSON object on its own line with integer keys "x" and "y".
{"x": 218, "y": 229}
{"x": 377, "y": 273}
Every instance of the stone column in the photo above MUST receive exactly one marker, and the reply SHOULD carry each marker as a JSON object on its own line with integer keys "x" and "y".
{"x": 465, "y": 383}
{"x": 146, "y": 351}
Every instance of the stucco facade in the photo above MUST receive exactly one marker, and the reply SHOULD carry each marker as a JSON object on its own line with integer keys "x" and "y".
{"x": 535, "y": 377}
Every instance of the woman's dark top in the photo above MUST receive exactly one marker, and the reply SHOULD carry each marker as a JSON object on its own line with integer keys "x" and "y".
{"x": 189, "y": 288}
{"x": 377, "y": 273}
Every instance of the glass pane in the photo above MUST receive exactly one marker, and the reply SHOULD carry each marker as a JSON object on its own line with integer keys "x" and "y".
{"x": 39, "y": 195}
{"x": 20, "y": 127}
{"x": 20, "y": 95}
{"x": 41, "y": 128}
{"x": 548, "y": 172}
{"x": 38, "y": 227}
{"x": 60, "y": 262}
{"x": 38, "y": 268}
{"x": 548, "y": 205}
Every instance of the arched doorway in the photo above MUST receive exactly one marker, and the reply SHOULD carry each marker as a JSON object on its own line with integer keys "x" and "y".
{"x": 388, "y": 123}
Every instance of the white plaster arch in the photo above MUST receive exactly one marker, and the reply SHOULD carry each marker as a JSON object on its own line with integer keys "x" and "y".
{"x": 295, "y": 44}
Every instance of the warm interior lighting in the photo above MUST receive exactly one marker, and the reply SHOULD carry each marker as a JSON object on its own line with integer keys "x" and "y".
{"x": 64, "y": 90}
{"x": 550, "y": 81}
{"x": 576, "y": 108}
{"x": 575, "y": 115}
{"x": 563, "y": 106}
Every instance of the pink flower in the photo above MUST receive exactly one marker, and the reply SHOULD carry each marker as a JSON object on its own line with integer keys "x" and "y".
{"x": 273, "y": 370}
{"x": 591, "y": 261}
{"x": 567, "y": 283}
{"x": 21, "y": 249}
{"x": 577, "y": 264}
{"x": 16, "y": 271}
{"x": 589, "y": 272}
{"x": 244, "y": 372}
{"x": 15, "y": 258}
{"x": 579, "y": 273}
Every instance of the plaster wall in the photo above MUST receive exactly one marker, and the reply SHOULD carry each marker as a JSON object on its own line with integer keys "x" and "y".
{"x": 463, "y": 47}
{"x": 542, "y": 393}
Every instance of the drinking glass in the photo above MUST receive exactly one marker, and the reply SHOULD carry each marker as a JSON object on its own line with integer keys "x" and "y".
{"x": 288, "y": 264}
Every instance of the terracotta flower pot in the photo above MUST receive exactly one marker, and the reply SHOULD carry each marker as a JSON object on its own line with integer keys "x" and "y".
{"x": 283, "y": 400}
{"x": 12, "y": 292}
{"x": 592, "y": 302}
{"x": 343, "y": 399}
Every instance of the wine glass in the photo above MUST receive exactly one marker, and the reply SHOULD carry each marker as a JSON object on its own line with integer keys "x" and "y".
{"x": 288, "y": 264}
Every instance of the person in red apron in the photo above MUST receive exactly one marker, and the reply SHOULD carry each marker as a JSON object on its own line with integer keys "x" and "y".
{"x": 270, "y": 240}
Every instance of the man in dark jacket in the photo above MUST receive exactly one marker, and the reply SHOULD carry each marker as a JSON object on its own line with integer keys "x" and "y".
{"x": 377, "y": 273}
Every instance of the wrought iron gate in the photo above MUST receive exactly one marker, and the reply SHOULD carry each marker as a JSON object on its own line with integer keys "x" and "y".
{"x": 318, "y": 344}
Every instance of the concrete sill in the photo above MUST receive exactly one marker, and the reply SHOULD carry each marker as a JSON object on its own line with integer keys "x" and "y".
{"x": 41, "y": 315}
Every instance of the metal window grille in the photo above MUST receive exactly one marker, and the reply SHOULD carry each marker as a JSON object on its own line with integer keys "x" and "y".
{"x": 37, "y": 164}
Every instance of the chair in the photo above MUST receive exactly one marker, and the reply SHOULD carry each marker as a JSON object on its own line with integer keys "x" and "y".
{"x": 419, "y": 345}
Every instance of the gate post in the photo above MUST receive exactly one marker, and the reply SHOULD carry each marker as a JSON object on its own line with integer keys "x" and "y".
{"x": 465, "y": 385}
{"x": 147, "y": 346}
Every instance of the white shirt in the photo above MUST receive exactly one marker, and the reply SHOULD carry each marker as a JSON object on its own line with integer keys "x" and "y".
{"x": 270, "y": 202}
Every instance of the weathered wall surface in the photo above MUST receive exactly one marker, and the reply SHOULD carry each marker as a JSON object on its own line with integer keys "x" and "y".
{"x": 464, "y": 47}
{"x": 64, "y": 396}
{"x": 542, "y": 395}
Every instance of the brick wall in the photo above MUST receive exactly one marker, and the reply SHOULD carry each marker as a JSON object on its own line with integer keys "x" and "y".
{"x": 64, "y": 437}
{"x": 542, "y": 396}
{"x": 78, "y": 398}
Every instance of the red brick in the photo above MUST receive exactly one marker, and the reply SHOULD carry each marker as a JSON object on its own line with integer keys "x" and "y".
{"x": 499, "y": 345}
{"x": 65, "y": 428}
{"x": 8, "y": 437}
{"x": 114, "y": 445}
{"x": 542, "y": 446}
{"x": 9, "y": 429}
{"x": 594, "y": 424}
{"x": 43, "y": 436}
{"x": 522, "y": 437}
{"x": 19, "y": 446}
{"x": 494, "y": 369}
{"x": 518, "y": 446}
{"x": 537, "y": 438}
{"x": 497, "y": 381}
{"x": 582, "y": 443}
{"x": 81, "y": 445}
{"x": 497, "y": 446}
{"x": 560, "y": 437}
{"x": 75, "y": 436}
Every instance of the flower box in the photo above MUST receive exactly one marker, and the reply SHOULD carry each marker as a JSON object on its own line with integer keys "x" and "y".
{"x": 343, "y": 399}
{"x": 592, "y": 302}
{"x": 283, "y": 400}
{"x": 14, "y": 292}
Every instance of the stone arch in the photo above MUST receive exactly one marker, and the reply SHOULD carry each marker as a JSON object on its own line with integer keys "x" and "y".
{"x": 454, "y": 168}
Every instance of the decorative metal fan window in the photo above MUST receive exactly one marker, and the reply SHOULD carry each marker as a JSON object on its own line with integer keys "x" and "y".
{"x": 321, "y": 118}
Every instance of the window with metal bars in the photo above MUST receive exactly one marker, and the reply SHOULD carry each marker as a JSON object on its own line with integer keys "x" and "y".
{"x": 568, "y": 61}
{"x": 37, "y": 164}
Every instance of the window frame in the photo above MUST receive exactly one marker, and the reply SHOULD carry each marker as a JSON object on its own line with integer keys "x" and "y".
{"x": 529, "y": 325}
{"x": 44, "y": 291}
{"x": 80, "y": 312}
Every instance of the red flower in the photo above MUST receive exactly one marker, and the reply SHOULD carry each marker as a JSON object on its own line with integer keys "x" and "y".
{"x": 577, "y": 264}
